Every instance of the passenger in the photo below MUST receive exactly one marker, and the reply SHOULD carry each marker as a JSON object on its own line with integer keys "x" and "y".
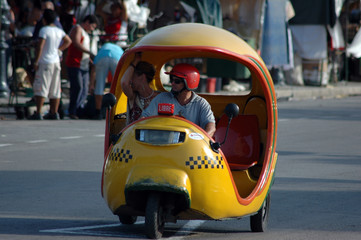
{"x": 184, "y": 79}
{"x": 135, "y": 85}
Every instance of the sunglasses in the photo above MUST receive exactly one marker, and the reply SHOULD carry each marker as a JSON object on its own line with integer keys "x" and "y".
{"x": 176, "y": 80}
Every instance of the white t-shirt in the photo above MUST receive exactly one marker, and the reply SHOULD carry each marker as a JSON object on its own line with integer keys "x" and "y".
{"x": 84, "y": 62}
{"x": 53, "y": 37}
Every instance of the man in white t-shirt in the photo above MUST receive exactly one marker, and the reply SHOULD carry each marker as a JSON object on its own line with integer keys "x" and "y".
{"x": 52, "y": 40}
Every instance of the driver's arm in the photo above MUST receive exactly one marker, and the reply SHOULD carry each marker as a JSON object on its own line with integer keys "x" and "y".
{"x": 210, "y": 128}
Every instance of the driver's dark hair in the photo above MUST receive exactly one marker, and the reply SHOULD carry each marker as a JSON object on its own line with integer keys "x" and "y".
{"x": 147, "y": 69}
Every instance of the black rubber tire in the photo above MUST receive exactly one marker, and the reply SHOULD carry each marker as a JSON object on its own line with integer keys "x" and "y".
{"x": 259, "y": 221}
{"x": 154, "y": 221}
{"x": 127, "y": 219}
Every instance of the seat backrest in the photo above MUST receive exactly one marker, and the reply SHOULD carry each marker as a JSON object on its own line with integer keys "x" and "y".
{"x": 242, "y": 146}
{"x": 257, "y": 106}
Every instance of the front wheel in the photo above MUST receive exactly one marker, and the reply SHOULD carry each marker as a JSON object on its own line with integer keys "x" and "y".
{"x": 259, "y": 221}
{"x": 154, "y": 217}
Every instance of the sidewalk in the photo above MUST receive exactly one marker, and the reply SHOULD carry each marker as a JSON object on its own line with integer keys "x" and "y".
{"x": 339, "y": 90}
{"x": 283, "y": 93}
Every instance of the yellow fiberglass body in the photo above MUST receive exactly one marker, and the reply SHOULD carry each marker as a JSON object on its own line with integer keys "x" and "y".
{"x": 173, "y": 157}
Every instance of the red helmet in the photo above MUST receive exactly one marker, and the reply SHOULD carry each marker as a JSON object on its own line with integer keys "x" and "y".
{"x": 188, "y": 72}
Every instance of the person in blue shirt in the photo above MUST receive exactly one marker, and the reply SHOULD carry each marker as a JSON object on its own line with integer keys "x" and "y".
{"x": 106, "y": 60}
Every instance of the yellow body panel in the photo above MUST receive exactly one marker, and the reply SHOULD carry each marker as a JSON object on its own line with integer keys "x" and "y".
{"x": 190, "y": 167}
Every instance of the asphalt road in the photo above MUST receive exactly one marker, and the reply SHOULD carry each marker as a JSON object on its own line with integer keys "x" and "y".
{"x": 50, "y": 174}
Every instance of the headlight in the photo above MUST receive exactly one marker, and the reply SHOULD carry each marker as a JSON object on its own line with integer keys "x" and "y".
{"x": 159, "y": 136}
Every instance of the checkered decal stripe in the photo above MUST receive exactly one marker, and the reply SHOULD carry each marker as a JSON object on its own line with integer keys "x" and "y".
{"x": 205, "y": 162}
{"x": 120, "y": 155}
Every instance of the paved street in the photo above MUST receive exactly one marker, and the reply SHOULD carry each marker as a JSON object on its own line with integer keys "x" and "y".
{"x": 50, "y": 174}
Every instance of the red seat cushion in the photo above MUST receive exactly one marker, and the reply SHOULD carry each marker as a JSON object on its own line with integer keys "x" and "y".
{"x": 242, "y": 146}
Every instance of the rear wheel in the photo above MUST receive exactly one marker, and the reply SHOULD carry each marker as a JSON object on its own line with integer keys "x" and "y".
{"x": 259, "y": 221}
{"x": 154, "y": 217}
{"x": 127, "y": 219}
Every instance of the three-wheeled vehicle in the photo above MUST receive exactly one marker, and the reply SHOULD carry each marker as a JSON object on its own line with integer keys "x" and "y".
{"x": 167, "y": 168}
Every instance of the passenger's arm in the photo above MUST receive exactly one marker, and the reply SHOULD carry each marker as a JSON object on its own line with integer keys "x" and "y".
{"x": 126, "y": 81}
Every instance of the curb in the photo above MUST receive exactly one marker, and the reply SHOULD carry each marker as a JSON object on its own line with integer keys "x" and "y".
{"x": 341, "y": 90}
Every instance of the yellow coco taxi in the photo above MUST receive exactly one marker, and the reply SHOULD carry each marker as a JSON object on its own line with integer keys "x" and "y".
{"x": 167, "y": 168}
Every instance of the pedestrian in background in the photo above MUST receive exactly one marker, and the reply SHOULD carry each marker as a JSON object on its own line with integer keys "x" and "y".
{"x": 52, "y": 40}
{"x": 105, "y": 61}
{"x": 45, "y": 4}
{"x": 115, "y": 18}
{"x": 78, "y": 60}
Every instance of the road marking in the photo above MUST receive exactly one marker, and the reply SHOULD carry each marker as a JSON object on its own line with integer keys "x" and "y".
{"x": 5, "y": 144}
{"x": 6, "y": 161}
{"x": 70, "y": 137}
{"x": 37, "y": 141}
{"x": 190, "y": 226}
{"x": 79, "y": 228}
{"x": 85, "y": 231}
{"x": 99, "y": 135}
{"x": 44, "y": 140}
